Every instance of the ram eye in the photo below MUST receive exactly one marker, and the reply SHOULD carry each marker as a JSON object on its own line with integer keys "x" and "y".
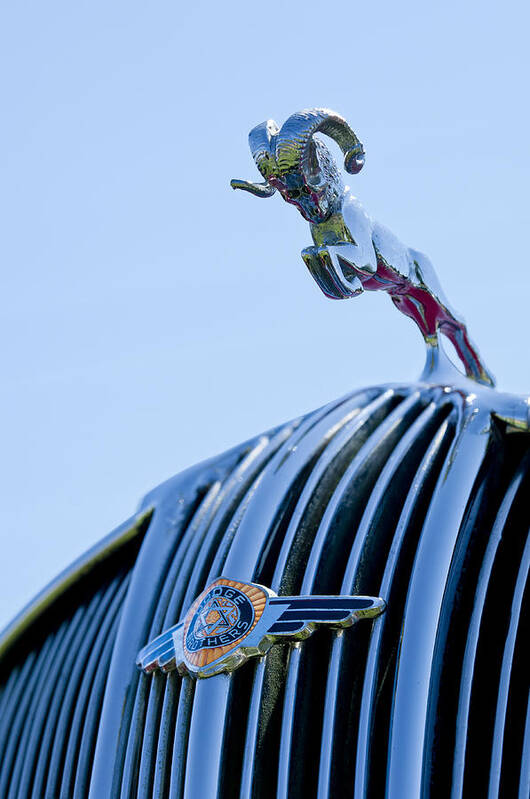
{"x": 294, "y": 194}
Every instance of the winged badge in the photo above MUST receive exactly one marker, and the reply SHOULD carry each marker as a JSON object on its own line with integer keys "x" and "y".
{"x": 232, "y": 621}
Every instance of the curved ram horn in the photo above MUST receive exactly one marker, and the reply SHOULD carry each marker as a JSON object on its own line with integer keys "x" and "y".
{"x": 293, "y": 141}
{"x": 260, "y": 141}
{"x": 257, "y": 189}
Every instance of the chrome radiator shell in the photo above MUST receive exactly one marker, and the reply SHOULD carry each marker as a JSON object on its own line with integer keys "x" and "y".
{"x": 413, "y": 493}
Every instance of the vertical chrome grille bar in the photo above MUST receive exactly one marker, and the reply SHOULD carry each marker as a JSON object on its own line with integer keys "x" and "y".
{"x": 80, "y": 700}
{"x": 180, "y": 743}
{"x": 92, "y": 717}
{"x": 425, "y": 595}
{"x": 470, "y": 653}
{"x": 66, "y": 684}
{"x": 504, "y": 682}
{"x": 161, "y": 779}
{"x": 373, "y": 663}
{"x": 17, "y": 698}
{"x": 7, "y": 693}
{"x": 524, "y": 777}
{"x": 150, "y": 736}
{"x": 252, "y": 733}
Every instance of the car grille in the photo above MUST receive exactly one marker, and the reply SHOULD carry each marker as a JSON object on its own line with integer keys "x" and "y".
{"x": 408, "y": 493}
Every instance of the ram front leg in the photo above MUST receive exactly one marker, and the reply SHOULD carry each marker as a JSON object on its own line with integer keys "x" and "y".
{"x": 332, "y": 272}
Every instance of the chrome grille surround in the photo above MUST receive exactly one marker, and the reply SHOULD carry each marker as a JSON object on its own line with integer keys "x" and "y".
{"x": 413, "y": 493}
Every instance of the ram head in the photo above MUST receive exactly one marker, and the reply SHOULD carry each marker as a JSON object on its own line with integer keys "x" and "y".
{"x": 301, "y": 167}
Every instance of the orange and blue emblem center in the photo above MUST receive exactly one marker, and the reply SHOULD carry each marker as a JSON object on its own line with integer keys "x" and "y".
{"x": 223, "y": 616}
{"x": 233, "y": 620}
{"x": 220, "y": 620}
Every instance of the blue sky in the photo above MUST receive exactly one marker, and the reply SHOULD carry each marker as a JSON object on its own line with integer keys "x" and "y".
{"x": 151, "y": 316}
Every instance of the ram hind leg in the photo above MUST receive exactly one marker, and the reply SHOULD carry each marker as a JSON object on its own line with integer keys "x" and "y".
{"x": 423, "y": 274}
{"x": 449, "y": 322}
{"x": 468, "y": 353}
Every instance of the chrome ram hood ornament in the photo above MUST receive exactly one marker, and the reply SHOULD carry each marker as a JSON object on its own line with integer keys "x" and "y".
{"x": 353, "y": 253}
{"x": 232, "y": 621}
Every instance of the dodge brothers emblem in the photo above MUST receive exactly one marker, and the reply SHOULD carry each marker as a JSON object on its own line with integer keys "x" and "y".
{"x": 232, "y": 621}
